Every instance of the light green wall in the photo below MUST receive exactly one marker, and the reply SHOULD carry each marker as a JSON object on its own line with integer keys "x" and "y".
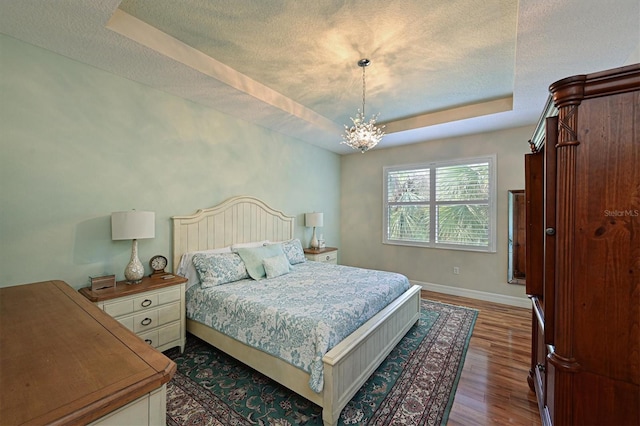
{"x": 361, "y": 207}
{"x": 78, "y": 143}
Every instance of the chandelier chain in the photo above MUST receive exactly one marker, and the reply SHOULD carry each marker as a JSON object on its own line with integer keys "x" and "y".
{"x": 364, "y": 87}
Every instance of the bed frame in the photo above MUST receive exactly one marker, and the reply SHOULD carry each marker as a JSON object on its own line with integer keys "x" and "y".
{"x": 348, "y": 365}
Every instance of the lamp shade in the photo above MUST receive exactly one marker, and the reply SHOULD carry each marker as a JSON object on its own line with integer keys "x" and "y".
{"x": 133, "y": 225}
{"x": 313, "y": 219}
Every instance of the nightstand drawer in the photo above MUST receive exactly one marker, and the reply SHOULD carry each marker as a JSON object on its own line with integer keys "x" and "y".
{"x": 169, "y": 296}
{"x": 145, "y": 301}
{"x": 151, "y": 337}
{"x": 148, "y": 300}
{"x": 325, "y": 255}
{"x": 130, "y": 305}
{"x": 119, "y": 308}
{"x": 153, "y": 309}
{"x": 169, "y": 313}
{"x": 145, "y": 321}
{"x": 163, "y": 335}
{"x": 151, "y": 300}
{"x": 156, "y": 317}
{"x": 127, "y": 322}
{"x": 329, "y": 257}
{"x": 168, "y": 334}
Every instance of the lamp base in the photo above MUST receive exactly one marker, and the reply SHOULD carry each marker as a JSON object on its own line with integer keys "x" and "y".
{"x": 314, "y": 240}
{"x": 134, "y": 270}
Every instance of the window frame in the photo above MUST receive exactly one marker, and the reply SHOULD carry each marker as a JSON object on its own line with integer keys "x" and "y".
{"x": 491, "y": 159}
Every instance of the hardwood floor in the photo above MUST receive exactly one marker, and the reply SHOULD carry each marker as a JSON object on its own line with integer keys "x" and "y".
{"x": 493, "y": 388}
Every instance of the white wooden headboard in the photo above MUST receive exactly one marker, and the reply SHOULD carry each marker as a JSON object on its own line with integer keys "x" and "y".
{"x": 237, "y": 220}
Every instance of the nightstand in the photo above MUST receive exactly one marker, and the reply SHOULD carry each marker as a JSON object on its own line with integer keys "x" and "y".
{"x": 325, "y": 255}
{"x": 153, "y": 309}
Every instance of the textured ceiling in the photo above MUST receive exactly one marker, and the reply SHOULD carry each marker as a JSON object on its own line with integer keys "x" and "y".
{"x": 439, "y": 68}
{"x": 308, "y": 51}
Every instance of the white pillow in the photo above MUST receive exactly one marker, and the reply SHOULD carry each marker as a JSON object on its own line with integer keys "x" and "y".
{"x": 252, "y": 244}
{"x": 186, "y": 268}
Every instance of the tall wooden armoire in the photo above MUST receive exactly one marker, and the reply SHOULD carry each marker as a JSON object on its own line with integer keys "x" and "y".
{"x": 582, "y": 192}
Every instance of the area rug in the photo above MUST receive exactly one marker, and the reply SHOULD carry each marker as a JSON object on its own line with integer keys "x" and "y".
{"x": 415, "y": 385}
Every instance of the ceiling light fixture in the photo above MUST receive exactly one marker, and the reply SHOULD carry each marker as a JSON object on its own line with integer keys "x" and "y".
{"x": 362, "y": 135}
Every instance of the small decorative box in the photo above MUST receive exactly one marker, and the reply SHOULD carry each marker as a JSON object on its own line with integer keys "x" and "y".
{"x": 103, "y": 282}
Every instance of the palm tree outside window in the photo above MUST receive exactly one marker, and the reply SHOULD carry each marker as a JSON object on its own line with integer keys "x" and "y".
{"x": 441, "y": 204}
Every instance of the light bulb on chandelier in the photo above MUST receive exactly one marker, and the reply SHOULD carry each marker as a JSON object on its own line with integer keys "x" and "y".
{"x": 362, "y": 135}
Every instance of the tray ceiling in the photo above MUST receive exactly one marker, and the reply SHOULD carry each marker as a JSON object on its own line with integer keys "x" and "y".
{"x": 439, "y": 68}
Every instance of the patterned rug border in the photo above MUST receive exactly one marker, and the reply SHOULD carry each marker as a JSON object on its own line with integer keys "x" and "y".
{"x": 212, "y": 388}
{"x": 454, "y": 389}
{"x": 464, "y": 353}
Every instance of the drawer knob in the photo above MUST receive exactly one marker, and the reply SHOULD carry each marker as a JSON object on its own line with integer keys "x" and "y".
{"x": 328, "y": 257}
{"x": 146, "y": 321}
{"x": 550, "y": 231}
{"x": 146, "y": 302}
{"x": 149, "y": 341}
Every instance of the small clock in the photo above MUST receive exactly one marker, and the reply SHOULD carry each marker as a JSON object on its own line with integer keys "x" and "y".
{"x": 157, "y": 264}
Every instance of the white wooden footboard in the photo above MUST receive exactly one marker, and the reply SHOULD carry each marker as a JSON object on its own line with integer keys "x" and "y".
{"x": 349, "y": 364}
{"x": 346, "y": 367}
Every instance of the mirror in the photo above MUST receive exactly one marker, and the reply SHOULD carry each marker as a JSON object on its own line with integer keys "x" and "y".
{"x": 516, "y": 268}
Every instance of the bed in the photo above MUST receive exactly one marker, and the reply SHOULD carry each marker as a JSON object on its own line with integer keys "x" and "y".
{"x": 348, "y": 364}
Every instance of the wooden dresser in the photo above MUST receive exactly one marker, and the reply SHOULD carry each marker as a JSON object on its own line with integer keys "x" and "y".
{"x": 582, "y": 191}
{"x": 64, "y": 361}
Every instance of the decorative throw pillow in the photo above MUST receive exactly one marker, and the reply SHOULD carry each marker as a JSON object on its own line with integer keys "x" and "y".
{"x": 253, "y": 258}
{"x": 294, "y": 252}
{"x": 276, "y": 266}
{"x": 217, "y": 269}
{"x": 186, "y": 268}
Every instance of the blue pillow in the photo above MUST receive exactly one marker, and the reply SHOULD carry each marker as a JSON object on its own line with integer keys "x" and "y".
{"x": 276, "y": 266}
{"x": 294, "y": 252}
{"x": 219, "y": 268}
{"x": 253, "y": 258}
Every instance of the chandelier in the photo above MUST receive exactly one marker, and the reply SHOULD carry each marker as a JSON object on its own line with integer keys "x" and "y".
{"x": 362, "y": 135}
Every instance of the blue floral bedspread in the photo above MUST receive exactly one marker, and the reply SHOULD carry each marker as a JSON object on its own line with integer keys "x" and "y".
{"x": 299, "y": 316}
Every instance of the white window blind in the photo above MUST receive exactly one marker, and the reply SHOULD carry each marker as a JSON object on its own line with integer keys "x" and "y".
{"x": 441, "y": 204}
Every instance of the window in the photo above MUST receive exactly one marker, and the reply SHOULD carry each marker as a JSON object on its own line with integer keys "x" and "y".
{"x": 441, "y": 204}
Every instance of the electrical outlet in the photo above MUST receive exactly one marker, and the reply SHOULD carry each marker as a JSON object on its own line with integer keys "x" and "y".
{"x": 456, "y": 270}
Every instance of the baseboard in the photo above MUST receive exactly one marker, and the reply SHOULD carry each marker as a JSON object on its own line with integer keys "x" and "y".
{"x": 475, "y": 294}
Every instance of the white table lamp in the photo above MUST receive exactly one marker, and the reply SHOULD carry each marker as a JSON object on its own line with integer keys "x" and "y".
{"x": 313, "y": 220}
{"x": 133, "y": 225}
